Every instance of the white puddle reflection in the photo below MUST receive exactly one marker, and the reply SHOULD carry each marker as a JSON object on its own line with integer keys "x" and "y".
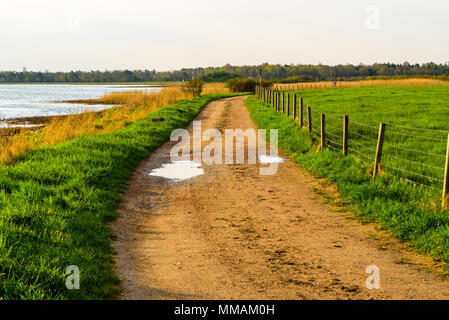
{"x": 263, "y": 158}
{"x": 179, "y": 170}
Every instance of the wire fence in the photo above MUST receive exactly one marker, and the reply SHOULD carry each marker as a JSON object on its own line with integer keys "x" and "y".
{"x": 414, "y": 155}
{"x": 361, "y": 83}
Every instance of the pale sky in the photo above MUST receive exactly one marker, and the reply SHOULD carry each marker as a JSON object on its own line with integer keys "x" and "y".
{"x": 64, "y": 35}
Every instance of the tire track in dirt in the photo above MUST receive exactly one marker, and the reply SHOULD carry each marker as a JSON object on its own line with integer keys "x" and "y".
{"x": 234, "y": 234}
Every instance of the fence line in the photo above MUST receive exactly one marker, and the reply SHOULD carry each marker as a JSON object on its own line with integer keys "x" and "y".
{"x": 387, "y": 153}
{"x": 358, "y": 83}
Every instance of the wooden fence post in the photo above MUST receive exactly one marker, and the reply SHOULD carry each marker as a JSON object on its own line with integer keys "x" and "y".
{"x": 283, "y": 102}
{"x": 446, "y": 180}
{"x": 309, "y": 119}
{"x": 286, "y": 101}
{"x": 301, "y": 113}
{"x": 275, "y": 95}
{"x": 274, "y": 99}
{"x": 277, "y": 101}
{"x": 380, "y": 143}
{"x": 345, "y": 134}
{"x": 323, "y": 131}
{"x": 295, "y": 102}
{"x": 288, "y": 104}
{"x": 279, "y": 107}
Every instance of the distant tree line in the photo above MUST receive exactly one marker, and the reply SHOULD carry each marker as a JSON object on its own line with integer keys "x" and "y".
{"x": 281, "y": 73}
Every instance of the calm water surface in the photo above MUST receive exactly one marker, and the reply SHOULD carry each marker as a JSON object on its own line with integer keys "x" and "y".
{"x": 37, "y": 100}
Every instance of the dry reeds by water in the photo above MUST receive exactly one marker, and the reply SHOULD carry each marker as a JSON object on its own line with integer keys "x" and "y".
{"x": 128, "y": 107}
{"x": 212, "y": 88}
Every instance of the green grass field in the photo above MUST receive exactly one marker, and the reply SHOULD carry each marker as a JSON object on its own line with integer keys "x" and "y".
{"x": 55, "y": 203}
{"x": 411, "y": 212}
{"x": 416, "y": 132}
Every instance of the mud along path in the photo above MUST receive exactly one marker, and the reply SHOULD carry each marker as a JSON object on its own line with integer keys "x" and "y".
{"x": 232, "y": 233}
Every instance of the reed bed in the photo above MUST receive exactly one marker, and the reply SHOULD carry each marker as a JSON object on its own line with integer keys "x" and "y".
{"x": 214, "y": 88}
{"x": 128, "y": 107}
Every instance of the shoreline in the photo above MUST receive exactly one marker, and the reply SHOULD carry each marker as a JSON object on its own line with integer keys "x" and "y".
{"x": 83, "y": 101}
{"x": 22, "y": 122}
{"x": 149, "y": 84}
{"x": 15, "y": 126}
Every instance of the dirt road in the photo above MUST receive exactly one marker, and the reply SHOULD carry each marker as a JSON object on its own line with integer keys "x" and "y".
{"x": 235, "y": 234}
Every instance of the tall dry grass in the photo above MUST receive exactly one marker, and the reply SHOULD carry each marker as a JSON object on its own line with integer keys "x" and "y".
{"x": 129, "y": 107}
{"x": 363, "y": 83}
{"x": 211, "y": 88}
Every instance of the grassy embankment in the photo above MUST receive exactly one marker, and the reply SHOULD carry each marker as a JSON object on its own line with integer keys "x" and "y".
{"x": 55, "y": 202}
{"x": 413, "y": 214}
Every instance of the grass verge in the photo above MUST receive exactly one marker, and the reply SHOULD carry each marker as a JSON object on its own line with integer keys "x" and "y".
{"x": 409, "y": 212}
{"x": 56, "y": 200}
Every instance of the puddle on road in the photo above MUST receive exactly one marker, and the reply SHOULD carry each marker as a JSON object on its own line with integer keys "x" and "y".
{"x": 270, "y": 159}
{"x": 184, "y": 170}
{"x": 179, "y": 170}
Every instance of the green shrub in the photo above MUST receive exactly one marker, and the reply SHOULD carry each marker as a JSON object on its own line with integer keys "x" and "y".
{"x": 246, "y": 85}
{"x": 193, "y": 87}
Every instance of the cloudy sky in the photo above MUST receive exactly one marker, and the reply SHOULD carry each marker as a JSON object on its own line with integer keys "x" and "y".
{"x": 63, "y": 35}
